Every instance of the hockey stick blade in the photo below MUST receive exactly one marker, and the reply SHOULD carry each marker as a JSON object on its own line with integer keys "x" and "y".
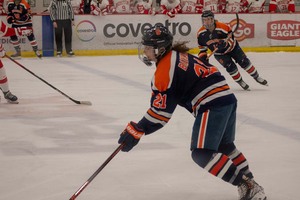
{"x": 86, "y": 103}
{"x": 75, "y": 101}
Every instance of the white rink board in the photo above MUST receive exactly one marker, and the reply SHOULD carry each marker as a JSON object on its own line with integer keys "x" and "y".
{"x": 115, "y": 32}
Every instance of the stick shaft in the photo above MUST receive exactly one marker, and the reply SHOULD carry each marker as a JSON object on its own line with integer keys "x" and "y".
{"x": 77, "y": 193}
{"x": 75, "y": 101}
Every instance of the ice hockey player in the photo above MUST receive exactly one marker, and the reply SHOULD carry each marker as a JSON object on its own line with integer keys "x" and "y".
{"x": 185, "y": 80}
{"x": 18, "y": 14}
{"x": 5, "y": 32}
{"x": 218, "y": 37}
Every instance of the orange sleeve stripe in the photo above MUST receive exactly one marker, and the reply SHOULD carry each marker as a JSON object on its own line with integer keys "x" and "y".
{"x": 162, "y": 75}
{"x": 155, "y": 115}
{"x": 241, "y": 158}
{"x": 219, "y": 165}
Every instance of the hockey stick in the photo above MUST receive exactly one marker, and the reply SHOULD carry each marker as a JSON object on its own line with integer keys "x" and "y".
{"x": 229, "y": 35}
{"x": 75, "y": 101}
{"x": 35, "y": 13}
{"x": 77, "y": 193}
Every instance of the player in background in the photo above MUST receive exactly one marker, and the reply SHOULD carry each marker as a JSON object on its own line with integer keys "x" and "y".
{"x": 144, "y": 7}
{"x": 96, "y": 7}
{"x": 170, "y": 7}
{"x": 18, "y": 14}
{"x": 6, "y": 32}
{"x": 215, "y": 6}
{"x": 122, "y": 7}
{"x": 256, "y": 6}
{"x": 191, "y": 6}
{"x": 236, "y": 6}
{"x": 102, "y": 7}
{"x": 181, "y": 79}
{"x": 282, "y": 6}
{"x": 218, "y": 37}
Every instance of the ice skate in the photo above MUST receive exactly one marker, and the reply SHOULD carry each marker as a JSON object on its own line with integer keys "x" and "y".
{"x": 58, "y": 54}
{"x": 261, "y": 81}
{"x": 38, "y": 54}
{"x": 70, "y": 54}
{"x": 244, "y": 85}
{"x": 250, "y": 190}
{"x": 17, "y": 55}
{"x": 10, "y": 98}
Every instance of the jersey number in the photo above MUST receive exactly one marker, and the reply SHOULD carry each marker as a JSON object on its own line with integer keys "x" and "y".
{"x": 160, "y": 101}
{"x": 202, "y": 70}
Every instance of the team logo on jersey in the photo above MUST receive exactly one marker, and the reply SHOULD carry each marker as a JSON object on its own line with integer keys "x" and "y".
{"x": 85, "y": 30}
{"x": 244, "y": 31}
{"x": 283, "y": 30}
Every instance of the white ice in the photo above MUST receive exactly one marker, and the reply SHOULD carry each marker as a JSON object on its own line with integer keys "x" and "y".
{"x": 49, "y": 146}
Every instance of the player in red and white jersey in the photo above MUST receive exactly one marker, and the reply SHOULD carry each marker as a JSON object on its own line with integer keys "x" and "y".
{"x": 191, "y": 6}
{"x": 5, "y": 31}
{"x": 101, "y": 7}
{"x": 282, "y": 6}
{"x": 236, "y": 6}
{"x": 122, "y": 6}
{"x": 170, "y": 7}
{"x": 215, "y": 6}
{"x": 256, "y": 6}
{"x": 144, "y": 7}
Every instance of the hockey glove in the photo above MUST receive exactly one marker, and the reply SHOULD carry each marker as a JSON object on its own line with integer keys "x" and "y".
{"x": 23, "y": 31}
{"x": 130, "y": 136}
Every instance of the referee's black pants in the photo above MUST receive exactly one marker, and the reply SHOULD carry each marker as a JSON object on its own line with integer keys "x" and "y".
{"x": 63, "y": 27}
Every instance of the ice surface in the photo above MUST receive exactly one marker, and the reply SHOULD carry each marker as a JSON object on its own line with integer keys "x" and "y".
{"x": 49, "y": 146}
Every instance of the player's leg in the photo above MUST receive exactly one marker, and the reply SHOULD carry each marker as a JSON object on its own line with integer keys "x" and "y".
{"x": 241, "y": 58}
{"x": 4, "y": 86}
{"x": 14, "y": 40}
{"x": 231, "y": 68}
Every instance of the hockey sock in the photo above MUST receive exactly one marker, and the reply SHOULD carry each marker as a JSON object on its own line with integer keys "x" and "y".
{"x": 217, "y": 164}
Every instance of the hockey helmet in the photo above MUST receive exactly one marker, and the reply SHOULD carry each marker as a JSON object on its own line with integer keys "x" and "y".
{"x": 208, "y": 19}
{"x": 207, "y": 13}
{"x": 159, "y": 38}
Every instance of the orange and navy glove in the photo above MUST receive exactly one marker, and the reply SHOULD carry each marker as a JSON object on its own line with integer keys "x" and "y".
{"x": 130, "y": 136}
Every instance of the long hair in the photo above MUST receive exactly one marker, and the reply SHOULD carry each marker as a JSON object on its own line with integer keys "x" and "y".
{"x": 181, "y": 46}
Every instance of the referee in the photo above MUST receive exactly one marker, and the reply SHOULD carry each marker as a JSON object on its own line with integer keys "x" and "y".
{"x": 62, "y": 16}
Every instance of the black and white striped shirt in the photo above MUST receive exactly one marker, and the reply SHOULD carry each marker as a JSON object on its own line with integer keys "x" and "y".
{"x": 61, "y": 10}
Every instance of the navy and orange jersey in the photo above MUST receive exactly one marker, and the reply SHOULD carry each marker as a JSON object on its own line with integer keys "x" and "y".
{"x": 183, "y": 79}
{"x": 19, "y": 15}
{"x": 209, "y": 40}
